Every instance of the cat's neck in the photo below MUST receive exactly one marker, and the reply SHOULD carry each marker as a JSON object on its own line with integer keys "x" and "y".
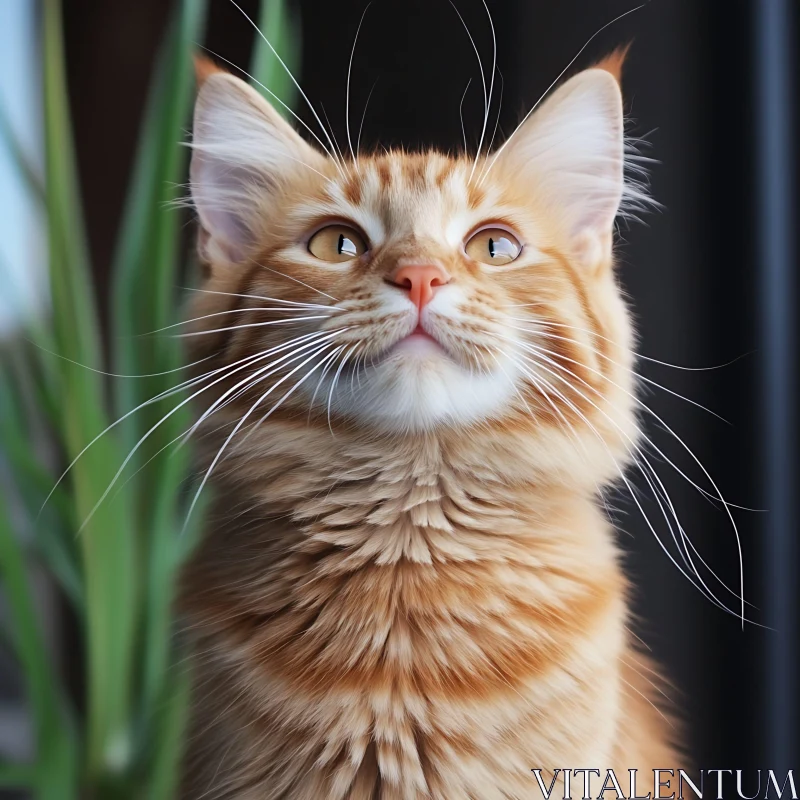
{"x": 322, "y": 542}
{"x": 422, "y": 499}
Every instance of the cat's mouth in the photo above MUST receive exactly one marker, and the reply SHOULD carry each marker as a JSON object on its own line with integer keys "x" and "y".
{"x": 418, "y": 343}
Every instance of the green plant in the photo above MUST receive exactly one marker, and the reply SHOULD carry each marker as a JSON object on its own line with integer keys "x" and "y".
{"x": 115, "y": 561}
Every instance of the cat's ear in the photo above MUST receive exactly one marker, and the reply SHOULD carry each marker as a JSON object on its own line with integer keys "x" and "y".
{"x": 571, "y": 152}
{"x": 243, "y": 151}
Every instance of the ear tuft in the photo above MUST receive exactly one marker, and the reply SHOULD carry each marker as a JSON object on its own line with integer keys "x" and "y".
{"x": 614, "y": 61}
{"x": 204, "y": 68}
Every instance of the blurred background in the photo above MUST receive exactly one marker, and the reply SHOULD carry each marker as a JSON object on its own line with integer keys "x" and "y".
{"x": 92, "y": 698}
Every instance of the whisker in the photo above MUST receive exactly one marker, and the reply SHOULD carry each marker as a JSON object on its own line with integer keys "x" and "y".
{"x": 363, "y": 116}
{"x": 691, "y": 453}
{"x": 649, "y": 441}
{"x": 278, "y": 99}
{"x": 335, "y": 141}
{"x": 241, "y": 422}
{"x": 480, "y": 64}
{"x": 287, "y": 70}
{"x": 595, "y": 351}
{"x": 702, "y": 588}
{"x": 461, "y": 114}
{"x": 261, "y": 297}
{"x": 249, "y": 325}
{"x": 161, "y": 396}
{"x": 264, "y": 372}
{"x": 491, "y": 90}
{"x": 116, "y": 374}
{"x": 227, "y": 373}
{"x": 547, "y": 91}
{"x": 292, "y": 278}
{"x": 331, "y": 359}
{"x": 499, "y": 109}
{"x": 347, "y": 95}
{"x": 293, "y": 389}
{"x": 550, "y": 323}
{"x": 648, "y": 410}
{"x": 336, "y": 380}
{"x": 242, "y": 310}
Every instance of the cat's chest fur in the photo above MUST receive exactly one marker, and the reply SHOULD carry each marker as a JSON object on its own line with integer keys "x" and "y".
{"x": 399, "y": 616}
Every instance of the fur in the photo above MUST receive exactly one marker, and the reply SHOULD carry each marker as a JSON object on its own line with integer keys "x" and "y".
{"x": 407, "y": 587}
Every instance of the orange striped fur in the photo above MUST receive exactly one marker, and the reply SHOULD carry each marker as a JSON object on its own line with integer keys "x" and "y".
{"x": 407, "y": 587}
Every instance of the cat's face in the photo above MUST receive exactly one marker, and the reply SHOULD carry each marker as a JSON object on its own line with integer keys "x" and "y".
{"x": 412, "y": 291}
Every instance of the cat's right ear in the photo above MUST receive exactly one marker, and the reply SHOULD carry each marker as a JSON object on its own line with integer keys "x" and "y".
{"x": 243, "y": 151}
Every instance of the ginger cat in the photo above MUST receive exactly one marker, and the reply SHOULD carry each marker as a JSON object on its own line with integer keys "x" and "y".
{"x": 420, "y": 381}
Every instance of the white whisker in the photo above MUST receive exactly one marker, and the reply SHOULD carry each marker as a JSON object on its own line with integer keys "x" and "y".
{"x": 287, "y": 70}
{"x": 241, "y": 422}
{"x": 491, "y": 90}
{"x": 335, "y": 141}
{"x": 335, "y": 381}
{"x": 296, "y": 280}
{"x": 242, "y": 310}
{"x": 550, "y": 323}
{"x": 649, "y": 441}
{"x": 596, "y": 352}
{"x": 499, "y": 109}
{"x": 701, "y": 587}
{"x": 349, "y": 70}
{"x": 547, "y": 91}
{"x": 118, "y": 375}
{"x": 461, "y": 114}
{"x": 151, "y": 401}
{"x": 275, "y": 97}
{"x": 480, "y": 66}
{"x": 266, "y": 299}
{"x": 266, "y": 371}
{"x": 249, "y": 325}
{"x": 363, "y": 117}
{"x": 543, "y": 355}
{"x": 227, "y": 372}
{"x": 331, "y": 359}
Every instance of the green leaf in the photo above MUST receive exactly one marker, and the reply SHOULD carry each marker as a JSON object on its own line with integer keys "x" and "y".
{"x": 173, "y": 722}
{"x": 56, "y": 758}
{"x": 107, "y": 541}
{"x": 280, "y": 27}
{"x": 148, "y": 256}
{"x": 16, "y": 776}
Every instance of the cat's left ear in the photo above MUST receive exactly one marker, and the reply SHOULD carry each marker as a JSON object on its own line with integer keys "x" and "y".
{"x": 571, "y": 153}
{"x": 243, "y": 153}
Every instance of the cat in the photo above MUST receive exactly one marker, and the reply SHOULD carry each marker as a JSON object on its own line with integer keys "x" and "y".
{"x": 420, "y": 374}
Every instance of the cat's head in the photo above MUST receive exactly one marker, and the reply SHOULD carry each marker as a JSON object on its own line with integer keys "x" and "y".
{"x": 409, "y": 292}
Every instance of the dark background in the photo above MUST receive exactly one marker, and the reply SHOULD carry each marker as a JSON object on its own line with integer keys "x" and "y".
{"x": 710, "y": 275}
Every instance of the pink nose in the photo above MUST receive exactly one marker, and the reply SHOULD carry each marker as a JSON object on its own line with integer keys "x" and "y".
{"x": 419, "y": 280}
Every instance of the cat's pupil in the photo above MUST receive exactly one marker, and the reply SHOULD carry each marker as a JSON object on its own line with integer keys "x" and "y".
{"x": 491, "y": 247}
{"x": 346, "y": 246}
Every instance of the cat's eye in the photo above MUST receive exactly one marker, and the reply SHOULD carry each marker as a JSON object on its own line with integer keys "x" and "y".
{"x": 337, "y": 243}
{"x": 494, "y": 246}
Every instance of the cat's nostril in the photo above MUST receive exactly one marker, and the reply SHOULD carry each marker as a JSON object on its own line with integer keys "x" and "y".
{"x": 419, "y": 280}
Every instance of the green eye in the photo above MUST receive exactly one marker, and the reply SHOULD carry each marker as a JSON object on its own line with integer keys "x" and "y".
{"x": 494, "y": 246}
{"x": 337, "y": 243}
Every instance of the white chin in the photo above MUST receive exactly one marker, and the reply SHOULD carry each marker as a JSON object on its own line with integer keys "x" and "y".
{"x": 418, "y": 387}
